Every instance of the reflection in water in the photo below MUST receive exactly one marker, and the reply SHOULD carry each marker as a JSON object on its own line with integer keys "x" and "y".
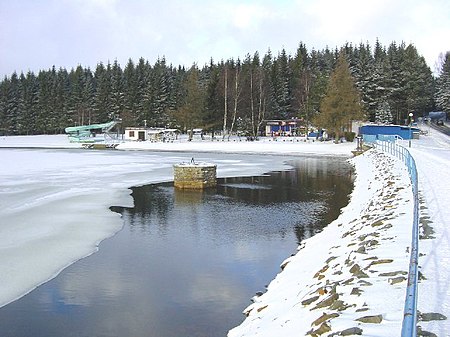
{"x": 186, "y": 262}
{"x": 265, "y": 202}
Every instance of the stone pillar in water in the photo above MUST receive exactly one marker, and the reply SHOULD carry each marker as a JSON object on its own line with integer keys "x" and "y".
{"x": 194, "y": 175}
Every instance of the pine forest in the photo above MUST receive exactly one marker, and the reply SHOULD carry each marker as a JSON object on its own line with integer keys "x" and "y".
{"x": 379, "y": 84}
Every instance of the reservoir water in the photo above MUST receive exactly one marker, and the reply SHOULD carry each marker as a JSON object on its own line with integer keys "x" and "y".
{"x": 186, "y": 263}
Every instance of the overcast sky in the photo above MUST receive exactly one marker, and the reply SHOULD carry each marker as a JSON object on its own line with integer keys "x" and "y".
{"x": 37, "y": 34}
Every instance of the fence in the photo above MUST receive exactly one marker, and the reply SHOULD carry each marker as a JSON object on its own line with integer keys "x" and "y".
{"x": 370, "y": 139}
{"x": 409, "y": 324}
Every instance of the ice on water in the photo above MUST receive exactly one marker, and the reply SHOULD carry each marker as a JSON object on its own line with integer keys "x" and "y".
{"x": 54, "y": 204}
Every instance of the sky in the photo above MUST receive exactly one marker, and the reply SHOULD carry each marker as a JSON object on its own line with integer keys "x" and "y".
{"x": 36, "y": 35}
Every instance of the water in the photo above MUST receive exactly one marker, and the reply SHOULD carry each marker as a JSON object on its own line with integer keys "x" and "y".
{"x": 186, "y": 262}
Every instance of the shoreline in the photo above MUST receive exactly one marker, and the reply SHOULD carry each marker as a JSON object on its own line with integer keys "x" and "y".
{"x": 334, "y": 287}
{"x": 282, "y": 146}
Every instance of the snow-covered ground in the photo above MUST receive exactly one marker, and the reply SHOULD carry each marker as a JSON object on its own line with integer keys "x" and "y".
{"x": 266, "y": 145}
{"x": 432, "y": 156}
{"x": 355, "y": 269}
{"x": 351, "y": 278}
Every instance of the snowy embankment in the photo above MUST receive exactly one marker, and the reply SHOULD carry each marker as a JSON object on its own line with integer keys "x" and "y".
{"x": 282, "y": 145}
{"x": 266, "y": 145}
{"x": 351, "y": 277}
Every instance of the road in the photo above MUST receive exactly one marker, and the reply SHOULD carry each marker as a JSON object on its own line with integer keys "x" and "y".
{"x": 432, "y": 155}
{"x": 441, "y": 128}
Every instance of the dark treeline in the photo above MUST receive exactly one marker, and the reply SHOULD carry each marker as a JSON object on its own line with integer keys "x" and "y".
{"x": 226, "y": 96}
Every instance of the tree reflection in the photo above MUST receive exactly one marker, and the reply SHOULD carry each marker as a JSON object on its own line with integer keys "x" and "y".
{"x": 304, "y": 199}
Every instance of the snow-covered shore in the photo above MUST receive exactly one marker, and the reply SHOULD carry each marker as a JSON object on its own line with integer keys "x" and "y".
{"x": 351, "y": 278}
{"x": 354, "y": 269}
{"x": 266, "y": 145}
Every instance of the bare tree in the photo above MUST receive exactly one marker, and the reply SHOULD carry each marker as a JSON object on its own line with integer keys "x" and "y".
{"x": 225, "y": 113}
{"x": 261, "y": 101}
{"x": 237, "y": 94}
{"x": 252, "y": 105}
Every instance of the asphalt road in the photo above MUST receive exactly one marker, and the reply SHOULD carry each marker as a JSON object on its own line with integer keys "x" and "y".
{"x": 441, "y": 128}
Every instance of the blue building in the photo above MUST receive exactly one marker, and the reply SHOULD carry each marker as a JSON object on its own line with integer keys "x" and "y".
{"x": 288, "y": 127}
{"x": 388, "y": 132}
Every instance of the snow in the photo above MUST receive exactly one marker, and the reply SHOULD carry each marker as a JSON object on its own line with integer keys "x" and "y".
{"x": 360, "y": 259}
{"x": 283, "y": 145}
{"x": 369, "y": 236}
{"x": 432, "y": 155}
{"x": 380, "y": 209}
{"x": 44, "y": 141}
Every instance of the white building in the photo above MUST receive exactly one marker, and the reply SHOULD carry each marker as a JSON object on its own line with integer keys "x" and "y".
{"x": 136, "y": 134}
{"x": 150, "y": 134}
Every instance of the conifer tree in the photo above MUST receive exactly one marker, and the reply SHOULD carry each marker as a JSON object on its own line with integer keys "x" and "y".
{"x": 270, "y": 87}
{"x": 12, "y": 110}
{"x": 418, "y": 81}
{"x": 28, "y": 104}
{"x": 3, "y": 102}
{"x": 102, "y": 96}
{"x": 44, "y": 107}
{"x": 117, "y": 92}
{"x": 383, "y": 113}
{"x": 161, "y": 87}
{"x": 53, "y": 113}
{"x": 364, "y": 71}
{"x": 143, "y": 69}
{"x": 281, "y": 78}
{"x": 300, "y": 82}
{"x": 342, "y": 102}
{"x": 443, "y": 86}
{"x": 189, "y": 114}
{"x": 131, "y": 92}
{"x": 396, "y": 82}
{"x": 213, "y": 102}
{"x": 381, "y": 70}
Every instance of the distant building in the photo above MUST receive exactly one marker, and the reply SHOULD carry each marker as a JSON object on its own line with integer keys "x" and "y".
{"x": 150, "y": 134}
{"x": 136, "y": 134}
{"x": 385, "y": 132}
{"x": 195, "y": 133}
{"x": 437, "y": 115}
{"x": 288, "y": 127}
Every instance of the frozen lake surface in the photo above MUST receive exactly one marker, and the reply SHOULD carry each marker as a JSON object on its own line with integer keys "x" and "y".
{"x": 54, "y": 204}
{"x": 184, "y": 261}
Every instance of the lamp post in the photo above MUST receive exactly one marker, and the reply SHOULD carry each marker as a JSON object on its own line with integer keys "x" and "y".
{"x": 410, "y": 122}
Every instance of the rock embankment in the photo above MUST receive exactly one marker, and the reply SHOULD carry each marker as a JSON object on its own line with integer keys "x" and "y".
{"x": 349, "y": 279}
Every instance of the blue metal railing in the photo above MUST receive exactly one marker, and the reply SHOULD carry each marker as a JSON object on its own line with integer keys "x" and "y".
{"x": 409, "y": 325}
{"x": 371, "y": 139}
